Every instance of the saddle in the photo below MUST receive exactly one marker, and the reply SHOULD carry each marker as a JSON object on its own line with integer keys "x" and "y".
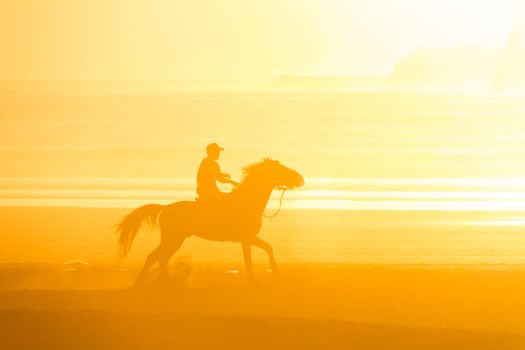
{"x": 214, "y": 206}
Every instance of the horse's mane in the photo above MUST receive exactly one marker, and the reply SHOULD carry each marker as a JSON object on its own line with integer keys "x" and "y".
{"x": 256, "y": 168}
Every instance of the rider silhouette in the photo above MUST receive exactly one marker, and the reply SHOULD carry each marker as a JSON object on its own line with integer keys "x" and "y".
{"x": 209, "y": 173}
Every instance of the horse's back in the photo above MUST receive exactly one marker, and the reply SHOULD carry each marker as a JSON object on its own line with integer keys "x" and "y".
{"x": 175, "y": 214}
{"x": 208, "y": 220}
{"x": 182, "y": 205}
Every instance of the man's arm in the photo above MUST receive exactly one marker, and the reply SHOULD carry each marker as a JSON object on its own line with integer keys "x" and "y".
{"x": 223, "y": 177}
{"x": 226, "y": 179}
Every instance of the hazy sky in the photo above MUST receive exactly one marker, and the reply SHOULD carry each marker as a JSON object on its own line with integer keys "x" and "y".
{"x": 233, "y": 39}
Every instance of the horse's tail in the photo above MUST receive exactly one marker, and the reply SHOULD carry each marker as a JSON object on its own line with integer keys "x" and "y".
{"x": 145, "y": 216}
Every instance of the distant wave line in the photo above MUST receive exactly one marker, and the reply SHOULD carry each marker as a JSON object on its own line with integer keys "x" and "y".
{"x": 290, "y": 204}
{"x": 186, "y": 183}
{"x": 296, "y": 195}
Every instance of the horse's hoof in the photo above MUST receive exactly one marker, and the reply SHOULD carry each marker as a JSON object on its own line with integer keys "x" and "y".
{"x": 135, "y": 289}
{"x": 138, "y": 285}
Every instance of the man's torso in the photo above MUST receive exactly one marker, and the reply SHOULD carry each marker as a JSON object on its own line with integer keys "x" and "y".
{"x": 207, "y": 175}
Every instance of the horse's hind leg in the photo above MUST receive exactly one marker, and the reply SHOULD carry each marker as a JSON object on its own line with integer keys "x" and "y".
{"x": 150, "y": 260}
{"x": 169, "y": 247}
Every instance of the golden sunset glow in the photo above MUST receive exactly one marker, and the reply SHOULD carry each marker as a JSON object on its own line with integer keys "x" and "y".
{"x": 277, "y": 174}
{"x": 250, "y": 42}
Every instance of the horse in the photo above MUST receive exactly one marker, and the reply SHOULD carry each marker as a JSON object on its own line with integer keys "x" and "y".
{"x": 236, "y": 217}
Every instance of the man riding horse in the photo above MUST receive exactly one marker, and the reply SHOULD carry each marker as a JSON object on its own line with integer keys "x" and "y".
{"x": 237, "y": 221}
{"x": 208, "y": 175}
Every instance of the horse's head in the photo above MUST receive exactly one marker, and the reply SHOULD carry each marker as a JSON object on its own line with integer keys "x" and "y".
{"x": 275, "y": 174}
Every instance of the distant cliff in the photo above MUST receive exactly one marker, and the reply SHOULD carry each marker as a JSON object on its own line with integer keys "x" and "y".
{"x": 460, "y": 68}
{"x": 463, "y": 68}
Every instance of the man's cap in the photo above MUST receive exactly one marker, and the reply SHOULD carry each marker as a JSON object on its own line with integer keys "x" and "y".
{"x": 214, "y": 147}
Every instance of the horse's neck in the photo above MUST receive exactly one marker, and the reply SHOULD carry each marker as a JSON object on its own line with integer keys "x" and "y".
{"x": 254, "y": 195}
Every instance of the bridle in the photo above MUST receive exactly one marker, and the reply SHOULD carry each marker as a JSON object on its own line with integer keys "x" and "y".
{"x": 283, "y": 189}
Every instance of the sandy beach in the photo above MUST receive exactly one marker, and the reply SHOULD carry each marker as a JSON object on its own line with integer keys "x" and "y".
{"x": 312, "y": 306}
{"x": 106, "y": 330}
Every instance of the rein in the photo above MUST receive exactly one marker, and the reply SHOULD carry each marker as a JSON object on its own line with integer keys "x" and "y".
{"x": 283, "y": 189}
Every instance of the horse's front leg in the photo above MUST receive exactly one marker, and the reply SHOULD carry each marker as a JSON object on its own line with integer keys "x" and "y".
{"x": 269, "y": 250}
{"x": 247, "y": 252}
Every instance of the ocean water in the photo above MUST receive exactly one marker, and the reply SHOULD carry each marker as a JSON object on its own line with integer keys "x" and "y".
{"x": 445, "y": 174}
{"x": 349, "y": 136}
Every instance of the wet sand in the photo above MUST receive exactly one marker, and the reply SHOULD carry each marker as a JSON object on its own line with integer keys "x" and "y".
{"x": 56, "y": 235}
{"x": 311, "y": 307}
